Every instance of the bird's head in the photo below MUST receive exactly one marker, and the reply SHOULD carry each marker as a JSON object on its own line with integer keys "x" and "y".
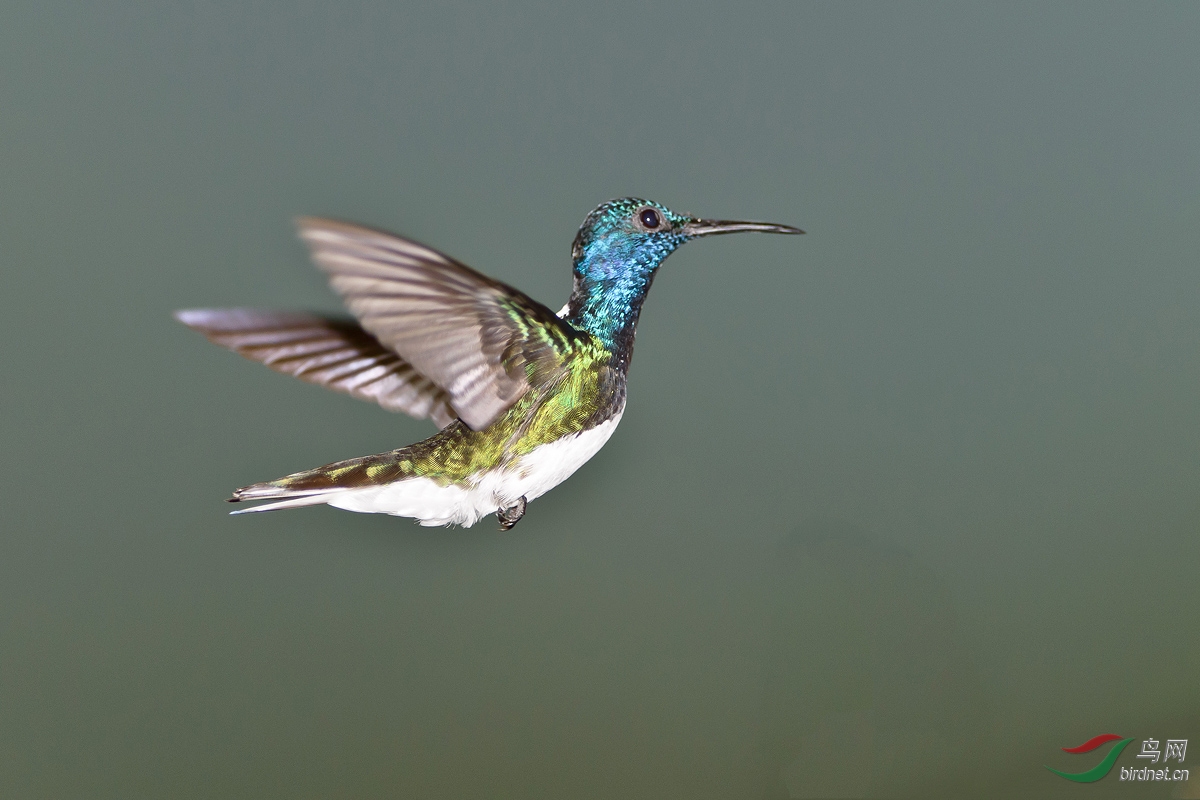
{"x": 631, "y": 235}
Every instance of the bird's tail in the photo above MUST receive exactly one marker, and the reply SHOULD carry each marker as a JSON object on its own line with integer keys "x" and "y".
{"x": 316, "y": 486}
{"x": 292, "y": 503}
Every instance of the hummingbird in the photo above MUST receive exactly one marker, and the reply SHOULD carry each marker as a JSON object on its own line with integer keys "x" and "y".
{"x": 523, "y": 396}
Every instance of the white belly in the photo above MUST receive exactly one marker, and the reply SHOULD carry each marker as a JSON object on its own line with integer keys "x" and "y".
{"x": 529, "y": 476}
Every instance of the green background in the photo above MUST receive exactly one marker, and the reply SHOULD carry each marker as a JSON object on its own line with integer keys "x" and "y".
{"x": 899, "y": 507}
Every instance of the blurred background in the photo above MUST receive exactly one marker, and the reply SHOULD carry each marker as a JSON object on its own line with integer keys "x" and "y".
{"x": 900, "y": 507}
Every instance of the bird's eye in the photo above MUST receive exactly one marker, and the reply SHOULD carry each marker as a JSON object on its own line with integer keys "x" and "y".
{"x": 649, "y": 218}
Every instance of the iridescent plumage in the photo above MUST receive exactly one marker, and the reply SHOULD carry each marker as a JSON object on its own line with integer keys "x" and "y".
{"x": 523, "y": 396}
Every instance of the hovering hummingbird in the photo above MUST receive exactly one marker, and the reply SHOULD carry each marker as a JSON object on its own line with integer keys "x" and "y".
{"x": 523, "y": 396}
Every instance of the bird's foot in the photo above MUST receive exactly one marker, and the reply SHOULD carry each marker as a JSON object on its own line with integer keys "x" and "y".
{"x": 512, "y": 515}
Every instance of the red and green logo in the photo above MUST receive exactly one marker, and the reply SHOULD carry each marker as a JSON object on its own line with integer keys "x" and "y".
{"x": 1100, "y": 770}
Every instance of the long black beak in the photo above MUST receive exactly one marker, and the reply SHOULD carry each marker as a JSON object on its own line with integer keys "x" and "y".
{"x": 712, "y": 227}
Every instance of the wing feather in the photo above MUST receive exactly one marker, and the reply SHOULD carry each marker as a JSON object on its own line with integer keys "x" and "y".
{"x": 480, "y": 341}
{"x": 327, "y": 351}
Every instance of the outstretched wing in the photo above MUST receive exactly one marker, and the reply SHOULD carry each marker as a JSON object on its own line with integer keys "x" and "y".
{"x": 336, "y": 353}
{"x": 482, "y": 342}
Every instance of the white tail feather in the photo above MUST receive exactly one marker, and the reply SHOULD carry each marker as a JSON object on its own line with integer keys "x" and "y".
{"x": 295, "y": 502}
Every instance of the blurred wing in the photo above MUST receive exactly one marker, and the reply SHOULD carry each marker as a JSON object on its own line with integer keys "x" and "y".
{"x": 335, "y": 353}
{"x": 481, "y": 341}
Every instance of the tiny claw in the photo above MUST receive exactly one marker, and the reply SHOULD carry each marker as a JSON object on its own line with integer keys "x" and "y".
{"x": 510, "y": 516}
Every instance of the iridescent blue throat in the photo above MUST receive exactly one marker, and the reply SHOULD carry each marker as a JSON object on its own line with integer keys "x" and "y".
{"x": 614, "y": 265}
